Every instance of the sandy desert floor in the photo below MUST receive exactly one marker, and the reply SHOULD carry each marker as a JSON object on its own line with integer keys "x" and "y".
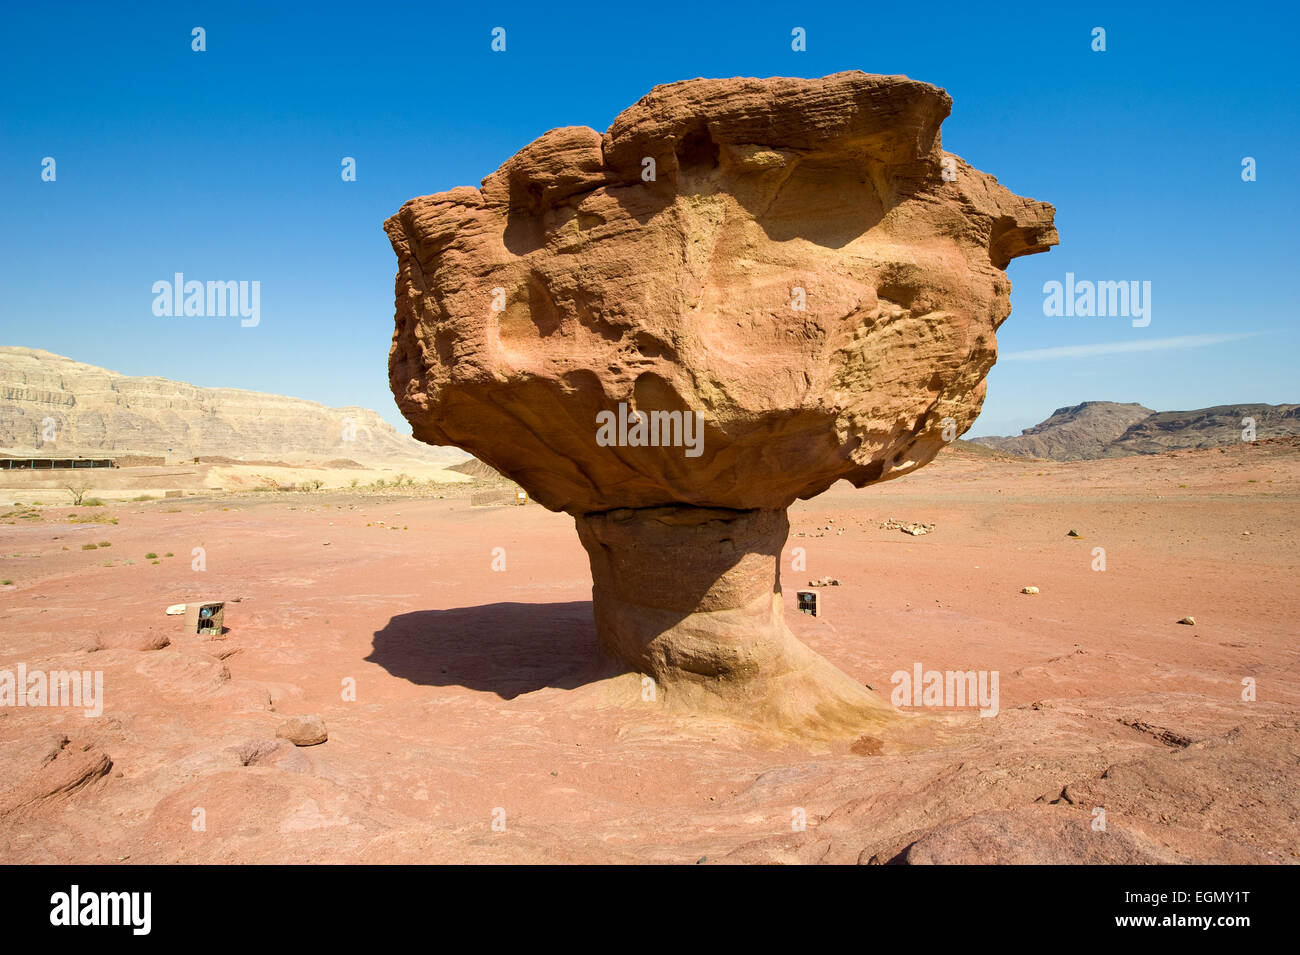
{"x": 128, "y": 483}
{"x": 480, "y": 698}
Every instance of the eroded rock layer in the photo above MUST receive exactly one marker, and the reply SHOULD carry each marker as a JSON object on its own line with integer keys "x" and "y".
{"x": 807, "y": 269}
{"x": 52, "y": 406}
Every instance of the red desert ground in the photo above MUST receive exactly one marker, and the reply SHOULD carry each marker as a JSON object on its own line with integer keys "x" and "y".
{"x": 467, "y": 720}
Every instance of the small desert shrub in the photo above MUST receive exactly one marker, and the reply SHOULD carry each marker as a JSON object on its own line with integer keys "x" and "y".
{"x": 78, "y": 490}
{"x": 89, "y": 546}
{"x": 151, "y": 556}
{"x": 92, "y": 502}
{"x": 169, "y": 554}
{"x": 105, "y": 544}
{"x": 144, "y": 497}
{"x": 6, "y": 583}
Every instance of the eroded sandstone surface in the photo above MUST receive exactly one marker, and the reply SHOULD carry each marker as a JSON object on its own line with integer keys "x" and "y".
{"x": 795, "y": 264}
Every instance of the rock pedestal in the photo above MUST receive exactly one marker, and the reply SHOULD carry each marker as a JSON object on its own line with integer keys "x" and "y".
{"x": 692, "y": 597}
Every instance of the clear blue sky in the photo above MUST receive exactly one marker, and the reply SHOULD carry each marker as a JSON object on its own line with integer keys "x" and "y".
{"x": 225, "y": 165}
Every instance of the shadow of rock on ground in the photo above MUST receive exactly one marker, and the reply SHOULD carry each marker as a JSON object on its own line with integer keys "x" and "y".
{"x": 502, "y": 648}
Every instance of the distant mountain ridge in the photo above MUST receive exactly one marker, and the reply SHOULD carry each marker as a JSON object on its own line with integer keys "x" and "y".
{"x": 93, "y": 411}
{"x": 1109, "y": 429}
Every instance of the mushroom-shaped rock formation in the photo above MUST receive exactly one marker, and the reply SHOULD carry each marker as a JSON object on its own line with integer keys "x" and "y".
{"x": 744, "y": 291}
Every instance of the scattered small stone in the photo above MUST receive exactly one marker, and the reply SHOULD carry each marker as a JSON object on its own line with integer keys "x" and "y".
{"x": 303, "y": 730}
{"x": 915, "y": 528}
{"x": 1073, "y": 533}
{"x": 1029, "y": 590}
{"x": 824, "y": 582}
{"x": 1188, "y": 621}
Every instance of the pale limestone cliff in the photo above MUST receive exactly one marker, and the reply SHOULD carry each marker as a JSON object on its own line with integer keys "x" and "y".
{"x": 94, "y": 411}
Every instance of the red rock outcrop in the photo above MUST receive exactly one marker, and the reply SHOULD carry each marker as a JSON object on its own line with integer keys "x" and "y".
{"x": 794, "y": 267}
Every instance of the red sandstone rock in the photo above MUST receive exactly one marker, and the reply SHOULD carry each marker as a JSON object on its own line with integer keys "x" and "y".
{"x": 64, "y": 769}
{"x": 303, "y": 730}
{"x": 796, "y": 262}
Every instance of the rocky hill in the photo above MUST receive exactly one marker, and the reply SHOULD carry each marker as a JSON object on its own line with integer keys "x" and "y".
{"x": 51, "y": 405}
{"x": 1205, "y": 428}
{"x": 1081, "y": 431}
{"x": 1108, "y": 429}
